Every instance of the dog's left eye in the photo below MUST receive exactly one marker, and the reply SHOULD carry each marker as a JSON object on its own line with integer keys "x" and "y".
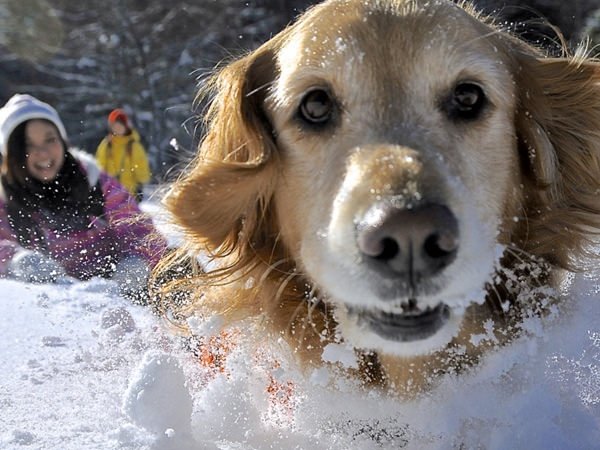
{"x": 316, "y": 107}
{"x": 466, "y": 102}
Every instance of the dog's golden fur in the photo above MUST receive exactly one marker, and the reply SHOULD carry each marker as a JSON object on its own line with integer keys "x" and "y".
{"x": 267, "y": 194}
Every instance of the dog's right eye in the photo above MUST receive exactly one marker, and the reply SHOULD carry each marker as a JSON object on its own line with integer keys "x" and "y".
{"x": 316, "y": 107}
{"x": 466, "y": 102}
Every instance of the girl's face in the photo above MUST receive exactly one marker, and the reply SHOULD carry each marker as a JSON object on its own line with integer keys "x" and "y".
{"x": 44, "y": 150}
{"x": 118, "y": 129}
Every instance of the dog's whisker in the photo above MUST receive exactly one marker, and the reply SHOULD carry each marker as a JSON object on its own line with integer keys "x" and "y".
{"x": 283, "y": 285}
{"x": 305, "y": 302}
{"x": 478, "y": 38}
{"x": 496, "y": 299}
{"x": 535, "y": 268}
{"x": 274, "y": 247}
{"x": 260, "y": 88}
{"x": 314, "y": 305}
{"x": 305, "y": 321}
{"x": 271, "y": 268}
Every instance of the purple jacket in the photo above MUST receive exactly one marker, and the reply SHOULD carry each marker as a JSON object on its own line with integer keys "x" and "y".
{"x": 122, "y": 231}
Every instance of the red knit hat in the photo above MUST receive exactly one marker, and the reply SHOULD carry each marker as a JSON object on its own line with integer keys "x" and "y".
{"x": 118, "y": 115}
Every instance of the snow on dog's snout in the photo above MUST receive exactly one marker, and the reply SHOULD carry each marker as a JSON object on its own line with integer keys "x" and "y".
{"x": 406, "y": 251}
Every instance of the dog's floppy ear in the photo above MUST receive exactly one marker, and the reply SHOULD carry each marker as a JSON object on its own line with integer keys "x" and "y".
{"x": 558, "y": 126}
{"x": 223, "y": 200}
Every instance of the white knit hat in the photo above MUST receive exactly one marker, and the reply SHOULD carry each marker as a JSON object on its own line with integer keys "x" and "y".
{"x": 23, "y": 107}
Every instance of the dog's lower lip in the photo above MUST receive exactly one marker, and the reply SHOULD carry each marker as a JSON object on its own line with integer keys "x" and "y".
{"x": 406, "y": 327}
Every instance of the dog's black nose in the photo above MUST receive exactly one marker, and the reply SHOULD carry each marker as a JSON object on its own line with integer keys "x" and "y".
{"x": 414, "y": 243}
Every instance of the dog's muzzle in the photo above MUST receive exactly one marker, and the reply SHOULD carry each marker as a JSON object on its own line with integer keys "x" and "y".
{"x": 406, "y": 248}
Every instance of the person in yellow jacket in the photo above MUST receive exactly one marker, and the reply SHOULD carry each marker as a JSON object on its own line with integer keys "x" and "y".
{"x": 122, "y": 155}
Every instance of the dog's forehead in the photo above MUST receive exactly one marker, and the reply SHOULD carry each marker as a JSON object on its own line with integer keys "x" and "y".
{"x": 390, "y": 39}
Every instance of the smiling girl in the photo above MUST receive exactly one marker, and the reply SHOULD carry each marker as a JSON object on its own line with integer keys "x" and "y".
{"x": 59, "y": 213}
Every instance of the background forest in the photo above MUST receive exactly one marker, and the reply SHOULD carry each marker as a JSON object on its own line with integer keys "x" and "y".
{"x": 87, "y": 57}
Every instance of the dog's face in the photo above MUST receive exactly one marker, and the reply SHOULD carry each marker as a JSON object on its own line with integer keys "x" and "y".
{"x": 398, "y": 166}
{"x": 390, "y": 149}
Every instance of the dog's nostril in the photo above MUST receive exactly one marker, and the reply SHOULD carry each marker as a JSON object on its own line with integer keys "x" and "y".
{"x": 440, "y": 245}
{"x": 389, "y": 249}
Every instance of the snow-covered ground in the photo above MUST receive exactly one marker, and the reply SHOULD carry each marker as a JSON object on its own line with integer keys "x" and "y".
{"x": 81, "y": 368}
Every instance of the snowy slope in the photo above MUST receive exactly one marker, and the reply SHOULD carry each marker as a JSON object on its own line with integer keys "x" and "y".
{"x": 82, "y": 368}
{"x": 63, "y": 370}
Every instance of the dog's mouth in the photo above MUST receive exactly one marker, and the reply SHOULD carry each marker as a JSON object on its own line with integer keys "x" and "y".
{"x": 413, "y": 325}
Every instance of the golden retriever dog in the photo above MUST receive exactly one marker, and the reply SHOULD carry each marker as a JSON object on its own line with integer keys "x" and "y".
{"x": 402, "y": 176}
